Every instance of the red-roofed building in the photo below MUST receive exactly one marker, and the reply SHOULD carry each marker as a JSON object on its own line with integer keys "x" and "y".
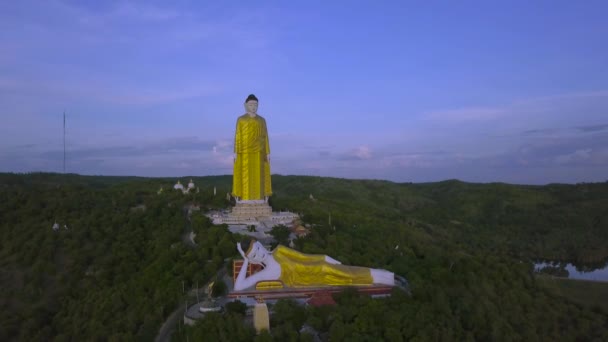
{"x": 301, "y": 231}
{"x": 321, "y": 298}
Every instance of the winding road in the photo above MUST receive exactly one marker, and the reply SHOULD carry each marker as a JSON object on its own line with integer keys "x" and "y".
{"x": 168, "y": 327}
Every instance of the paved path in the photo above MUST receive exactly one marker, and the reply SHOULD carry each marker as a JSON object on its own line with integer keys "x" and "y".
{"x": 164, "y": 334}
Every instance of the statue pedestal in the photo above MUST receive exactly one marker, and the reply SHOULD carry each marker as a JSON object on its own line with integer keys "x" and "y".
{"x": 255, "y": 213}
{"x": 248, "y": 211}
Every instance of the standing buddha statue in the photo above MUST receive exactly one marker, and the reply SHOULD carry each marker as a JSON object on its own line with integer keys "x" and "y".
{"x": 251, "y": 178}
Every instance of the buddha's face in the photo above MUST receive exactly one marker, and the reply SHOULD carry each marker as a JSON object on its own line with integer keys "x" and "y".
{"x": 258, "y": 254}
{"x": 251, "y": 107}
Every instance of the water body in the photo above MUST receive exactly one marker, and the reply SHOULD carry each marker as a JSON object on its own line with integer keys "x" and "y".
{"x": 598, "y": 274}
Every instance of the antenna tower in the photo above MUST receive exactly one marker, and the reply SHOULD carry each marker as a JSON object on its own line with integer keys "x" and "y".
{"x": 64, "y": 141}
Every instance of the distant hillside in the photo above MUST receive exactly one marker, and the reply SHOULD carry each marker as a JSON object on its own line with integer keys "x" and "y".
{"x": 119, "y": 268}
{"x": 557, "y": 222}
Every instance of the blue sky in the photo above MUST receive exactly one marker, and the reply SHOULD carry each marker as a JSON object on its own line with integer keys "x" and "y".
{"x": 480, "y": 91}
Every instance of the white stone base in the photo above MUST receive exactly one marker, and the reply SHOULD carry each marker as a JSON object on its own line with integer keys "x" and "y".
{"x": 257, "y": 214}
{"x": 251, "y": 211}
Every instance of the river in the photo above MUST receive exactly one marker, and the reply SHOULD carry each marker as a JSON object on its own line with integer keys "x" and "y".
{"x": 598, "y": 274}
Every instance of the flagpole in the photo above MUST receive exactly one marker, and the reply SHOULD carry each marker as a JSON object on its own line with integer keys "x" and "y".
{"x": 64, "y": 141}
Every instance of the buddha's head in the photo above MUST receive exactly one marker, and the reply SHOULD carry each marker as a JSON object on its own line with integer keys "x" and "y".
{"x": 256, "y": 253}
{"x": 251, "y": 105}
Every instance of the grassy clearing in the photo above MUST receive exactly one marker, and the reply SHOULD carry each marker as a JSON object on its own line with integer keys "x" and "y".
{"x": 588, "y": 293}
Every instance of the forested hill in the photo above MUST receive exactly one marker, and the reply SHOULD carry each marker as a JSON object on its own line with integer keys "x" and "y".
{"x": 120, "y": 267}
{"x": 556, "y": 222}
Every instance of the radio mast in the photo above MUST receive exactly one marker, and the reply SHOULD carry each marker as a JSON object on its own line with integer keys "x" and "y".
{"x": 64, "y": 141}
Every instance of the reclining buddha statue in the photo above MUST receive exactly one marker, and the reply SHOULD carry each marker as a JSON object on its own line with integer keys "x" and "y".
{"x": 295, "y": 269}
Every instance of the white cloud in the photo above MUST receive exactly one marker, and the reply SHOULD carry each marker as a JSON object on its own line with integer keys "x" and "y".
{"x": 466, "y": 114}
{"x": 108, "y": 91}
{"x": 130, "y": 11}
{"x": 529, "y": 114}
{"x": 576, "y": 156}
{"x": 223, "y": 155}
{"x": 584, "y": 157}
{"x": 128, "y": 54}
{"x": 362, "y": 152}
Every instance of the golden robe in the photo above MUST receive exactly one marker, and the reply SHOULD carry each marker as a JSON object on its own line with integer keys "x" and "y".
{"x": 251, "y": 179}
{"x": 305, "y": 270}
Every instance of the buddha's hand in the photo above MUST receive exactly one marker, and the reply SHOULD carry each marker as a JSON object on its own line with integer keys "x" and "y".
{"x": 240, "y": 249}
{"x": 332, "y": 260}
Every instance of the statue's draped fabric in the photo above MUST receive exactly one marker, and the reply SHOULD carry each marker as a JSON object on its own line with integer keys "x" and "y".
{"x": 303, "y": 270}
{"x": 251, "y": 180}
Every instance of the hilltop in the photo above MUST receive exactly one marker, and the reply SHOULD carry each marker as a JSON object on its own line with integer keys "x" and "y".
{"x": 117, "y": 272}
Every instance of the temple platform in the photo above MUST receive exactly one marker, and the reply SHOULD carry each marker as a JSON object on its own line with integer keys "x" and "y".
{"x": 252, "y": 213}
{"x": 307, "y": 293}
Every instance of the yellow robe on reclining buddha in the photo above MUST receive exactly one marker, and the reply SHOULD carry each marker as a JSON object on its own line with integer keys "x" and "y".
{"x": 305, "y": 270}
{"x": 251, "y": 178}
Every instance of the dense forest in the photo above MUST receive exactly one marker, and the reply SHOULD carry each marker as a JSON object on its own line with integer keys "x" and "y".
{"x": 119, "y": 264}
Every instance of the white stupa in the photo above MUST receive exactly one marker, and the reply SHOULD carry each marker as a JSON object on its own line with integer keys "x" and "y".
{"x": 178, "y": 186}
{"x": 191, "y": 184}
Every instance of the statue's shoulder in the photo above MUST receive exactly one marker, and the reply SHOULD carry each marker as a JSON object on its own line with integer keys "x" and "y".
{"x": 247, "y": 117}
